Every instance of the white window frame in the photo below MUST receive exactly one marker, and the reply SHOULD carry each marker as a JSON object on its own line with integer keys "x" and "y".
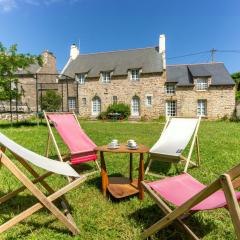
{"x": 170, "y": 88}
{"x": 114, "y": 99}
{"x": 135, "y": 106}
{"x": 81, "y": 77}
{"x": 202, "y": 107}
{"x": 106, "y": 77}
{"x": 96, "y": 106}
{"x": 201, "y": 84}
{"x": 171, "y": 108}
{"x": 72, "y": 103}
{"x": 149, "y": 104}
{"x": 135, "y": 74}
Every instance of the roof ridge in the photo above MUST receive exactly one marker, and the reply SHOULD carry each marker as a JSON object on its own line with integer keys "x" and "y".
{"x": 186, "y": 64}
{"x": 115, "y": 51}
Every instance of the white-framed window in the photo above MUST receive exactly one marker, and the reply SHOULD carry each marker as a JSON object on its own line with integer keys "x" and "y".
{"x": 84, "y": 101}
{"x": 135, "y": 106}
{"x": 201, "y": 84}
{"x": 171, "y": 108}
{"x": 106, "y": 77}
{"x": 202, "y": 107}
{"x": 96, "y": 106}
{"x": 72, "y": 103}
{"x": 170, "y": 88}
{"x": 135, "y": 74}
{"x": 80, "y": 78}
{"x": 114, "y": 99}
{"x": 149, "y": 100}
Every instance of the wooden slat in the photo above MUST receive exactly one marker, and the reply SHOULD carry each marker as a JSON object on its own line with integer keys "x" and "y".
{"x": 38, "y": 194}
{"x": 232, "y": 202}
{"x": 38, "y": 206}
{"x": 166, "y": 209}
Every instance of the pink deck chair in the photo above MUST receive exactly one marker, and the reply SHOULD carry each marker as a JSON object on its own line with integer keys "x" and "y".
{"x": 189, "y": 195}
{"x": 82, "y": 148}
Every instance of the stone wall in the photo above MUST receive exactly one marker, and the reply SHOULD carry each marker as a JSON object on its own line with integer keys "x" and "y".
{"x": 238, "y": 110}
{"x": 125, "y": 89}
{"x": 20, "y": 116}
{"x": 220, "y": 101}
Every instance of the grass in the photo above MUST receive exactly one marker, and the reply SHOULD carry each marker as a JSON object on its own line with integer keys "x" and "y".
{"x": 100, "y": 218}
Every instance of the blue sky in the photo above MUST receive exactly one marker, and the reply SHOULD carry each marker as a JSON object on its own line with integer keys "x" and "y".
{"x": 103, "y": 25}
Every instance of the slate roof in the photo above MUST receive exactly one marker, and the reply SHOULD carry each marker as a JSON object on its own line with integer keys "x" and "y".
{"x": 183, "y": 75}
{"x": 32, "y": 69}
{"x": 119, "y": 62}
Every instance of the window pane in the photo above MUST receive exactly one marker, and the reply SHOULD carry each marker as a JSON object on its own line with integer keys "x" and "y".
{"x": 171, "y": 108}
{"x": 84, "y": 101}
{"x": 135, "y": 106}
{"x": 202, "y": 107}
{"x": 149, "y": 100}
{"x": 170, "y": 88}
{"x": 114, "y": 99}
{"x": 96, "y": 106}
{"x": 81, "y": 78}
{"x": 71, "y": 103}
{"x": 106, "y": 76}
{"x": 135, "y": 74}
{"x": 201, "y": 83}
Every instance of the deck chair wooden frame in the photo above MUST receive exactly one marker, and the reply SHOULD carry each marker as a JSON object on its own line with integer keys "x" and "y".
{"x": 227, "y": 182}
{"x": 182, "y": 159}
{"x": 52, "y": 137}
{"x": 44, "y": 201}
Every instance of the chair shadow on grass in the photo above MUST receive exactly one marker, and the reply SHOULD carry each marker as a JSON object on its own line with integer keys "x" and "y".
{"x": 151, "y": 214}
{"x": 18, "y": 204}
{"x": 163, "y": 168}
{"x": 22, "y": 124}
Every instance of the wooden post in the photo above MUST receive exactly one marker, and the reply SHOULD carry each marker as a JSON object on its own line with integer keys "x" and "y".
{"x": 104, "y": 174}
{"x": 48, "y": 145}
{"x": 141, "y": 176}
{"x": 232, "y": 202}
{"x": 198, "y": 151}
{"x": 131, "y": 167}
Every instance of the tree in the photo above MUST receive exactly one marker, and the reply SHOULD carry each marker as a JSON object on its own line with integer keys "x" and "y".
{"x": 10, "y": 63}
{"x": 51, "y": 101}
{"x": 236, "y": 78}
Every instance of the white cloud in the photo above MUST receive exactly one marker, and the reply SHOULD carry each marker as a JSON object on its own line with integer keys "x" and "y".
{"x": 8, "y": 5}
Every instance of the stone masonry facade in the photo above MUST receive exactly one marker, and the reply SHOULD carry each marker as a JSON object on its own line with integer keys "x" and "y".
{"x": 220, "y": 99}
{"x": 124, "y": 89}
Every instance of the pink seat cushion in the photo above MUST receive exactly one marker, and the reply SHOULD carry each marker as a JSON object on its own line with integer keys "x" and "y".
{"x": 75, "y": 138}
{"x": 178, "y": 189}
{"x": 81, "y": 159}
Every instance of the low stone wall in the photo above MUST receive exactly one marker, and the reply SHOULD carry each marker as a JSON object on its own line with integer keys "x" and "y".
{"x": 20, "y": 116}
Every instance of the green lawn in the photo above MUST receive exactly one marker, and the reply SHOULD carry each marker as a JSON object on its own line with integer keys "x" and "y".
{"x": 100, "y": 218}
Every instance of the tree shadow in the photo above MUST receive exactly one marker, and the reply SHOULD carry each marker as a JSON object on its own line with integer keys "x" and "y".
{"x": 149, "y": 215}
{"x": 21, "y": 124}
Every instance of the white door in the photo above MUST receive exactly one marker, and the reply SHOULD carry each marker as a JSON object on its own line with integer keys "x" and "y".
{"x": 135, "y": 106}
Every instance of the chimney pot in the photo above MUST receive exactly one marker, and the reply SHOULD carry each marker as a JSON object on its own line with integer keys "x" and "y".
{"x": 74, "y": 51}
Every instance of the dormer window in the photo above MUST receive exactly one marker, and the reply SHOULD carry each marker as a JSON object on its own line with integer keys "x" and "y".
{"x": 80, "y": 78}
{"x": 135, "y": 74}
{"x": 170, "y": 88}
{"x": 106, "y": 77}
{"x": 201, "y": 84}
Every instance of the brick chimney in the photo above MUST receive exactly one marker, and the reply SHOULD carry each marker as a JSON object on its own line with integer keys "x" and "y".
{"x": 162, "y": 49}
{"x": 74, "y": 51}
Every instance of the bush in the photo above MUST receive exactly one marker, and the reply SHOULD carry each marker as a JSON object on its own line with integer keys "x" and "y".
{"x": 121, "y": 108}
{"x": 51, "y": 101}
{"x": 103, "y": 116}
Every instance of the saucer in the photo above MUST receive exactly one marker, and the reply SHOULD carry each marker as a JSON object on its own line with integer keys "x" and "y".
{"x": 110, "y": 146}
{"x": 132, "y": 147}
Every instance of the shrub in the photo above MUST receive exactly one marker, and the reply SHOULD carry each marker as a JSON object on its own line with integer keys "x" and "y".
{"x": 51, "y": 101}
{"x": 103, "y": 116}
{"x": 121, "y": 108}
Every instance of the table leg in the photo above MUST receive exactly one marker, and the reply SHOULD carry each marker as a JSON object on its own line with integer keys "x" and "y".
{"x": 131, "y": 167}
{"x": 104, "y": 175}
{"x": 141, "y": 176}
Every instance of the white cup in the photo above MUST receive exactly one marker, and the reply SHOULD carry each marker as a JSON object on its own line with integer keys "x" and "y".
{"x": 131, "y": 143}
{"x": 115, "y": 142}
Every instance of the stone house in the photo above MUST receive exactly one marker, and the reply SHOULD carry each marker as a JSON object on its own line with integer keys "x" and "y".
{"x": 34, "y": 78}
{"x": 142, "y": 79}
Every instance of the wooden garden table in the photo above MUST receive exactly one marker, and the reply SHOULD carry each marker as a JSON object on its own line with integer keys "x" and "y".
{"x": 120, "y": 187}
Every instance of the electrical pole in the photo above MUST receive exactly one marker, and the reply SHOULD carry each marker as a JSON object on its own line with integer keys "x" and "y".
{"x": 212, "y": 54}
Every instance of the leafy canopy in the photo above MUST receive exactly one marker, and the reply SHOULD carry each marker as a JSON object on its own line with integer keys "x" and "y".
{"x": 236, "y": 78}
{"x": 51, "y": 101}
{"x": 10, "y": 62}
